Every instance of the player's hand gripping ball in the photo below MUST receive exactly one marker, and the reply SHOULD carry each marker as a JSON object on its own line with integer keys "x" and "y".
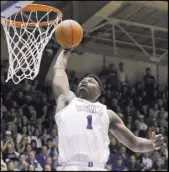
{"x": 69, "y": 34}
{"x": 158, "y": 141}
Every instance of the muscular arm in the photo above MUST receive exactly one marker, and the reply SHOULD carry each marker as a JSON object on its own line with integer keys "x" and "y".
{"x": 60, "y": 84}
{"x": 125, "y": 136}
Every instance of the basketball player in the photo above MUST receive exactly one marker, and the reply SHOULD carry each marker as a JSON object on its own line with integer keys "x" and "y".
{"x": 83, "y": 124}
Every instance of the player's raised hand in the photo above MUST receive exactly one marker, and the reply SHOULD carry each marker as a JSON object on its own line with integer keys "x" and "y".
{"x": 158, "y": 141}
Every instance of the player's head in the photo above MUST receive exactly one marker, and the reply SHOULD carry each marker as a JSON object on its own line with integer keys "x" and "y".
{"x": 90, "y": 88}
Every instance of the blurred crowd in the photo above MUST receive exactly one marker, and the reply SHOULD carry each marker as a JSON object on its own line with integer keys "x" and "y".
{"x": 29, "y": 133}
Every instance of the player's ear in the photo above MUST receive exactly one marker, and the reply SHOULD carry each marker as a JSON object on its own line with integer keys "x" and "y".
{"x": 98, "y": 93}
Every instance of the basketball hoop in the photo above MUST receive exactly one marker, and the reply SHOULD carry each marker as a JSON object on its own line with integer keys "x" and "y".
{"x": 26, "y": 46}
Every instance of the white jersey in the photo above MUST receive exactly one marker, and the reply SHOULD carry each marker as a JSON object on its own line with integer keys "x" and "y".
{"x": 83, "y": 132}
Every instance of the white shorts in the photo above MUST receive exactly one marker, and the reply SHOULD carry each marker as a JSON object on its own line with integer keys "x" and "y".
{"x": 81, "y": 166}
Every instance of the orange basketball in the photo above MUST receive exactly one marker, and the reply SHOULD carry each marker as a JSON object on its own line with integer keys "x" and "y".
{"x": 69, "y": 34}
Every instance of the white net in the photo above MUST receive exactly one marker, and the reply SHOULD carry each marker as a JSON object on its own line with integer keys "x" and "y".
{"x": 26, "y": 44}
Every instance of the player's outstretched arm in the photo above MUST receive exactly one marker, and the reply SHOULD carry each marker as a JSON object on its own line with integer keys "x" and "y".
{"x": 60, "y": 84}
{"x": 134, "y": 143}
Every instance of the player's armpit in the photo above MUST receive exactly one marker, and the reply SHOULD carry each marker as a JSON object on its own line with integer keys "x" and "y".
{"x": 63, "y": 101}
{"x": 125, "y": 136}
{"x": 120, "y": 131}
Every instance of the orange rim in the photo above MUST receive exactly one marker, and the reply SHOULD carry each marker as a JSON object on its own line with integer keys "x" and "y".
{"x": 35, "y": 7}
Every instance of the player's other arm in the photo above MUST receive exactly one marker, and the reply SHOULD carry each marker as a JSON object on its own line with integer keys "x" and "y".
{"x": 60, "y": 84}
{"x": 134, "y": 143}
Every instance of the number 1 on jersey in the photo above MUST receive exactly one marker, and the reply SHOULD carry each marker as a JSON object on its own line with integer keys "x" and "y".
{"x": 89, "y": 122}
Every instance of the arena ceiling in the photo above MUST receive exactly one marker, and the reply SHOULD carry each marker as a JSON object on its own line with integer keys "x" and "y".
{"x": 139, "y": 26}
{"x": 134, "y": 29}
{"x": 128, "y": 29}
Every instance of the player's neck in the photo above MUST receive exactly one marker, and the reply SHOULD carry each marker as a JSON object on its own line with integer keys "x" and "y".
{"x": 81, "y": 96}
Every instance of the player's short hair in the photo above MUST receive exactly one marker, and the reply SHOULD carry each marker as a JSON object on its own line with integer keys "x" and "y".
{"x": 97, "y": 79}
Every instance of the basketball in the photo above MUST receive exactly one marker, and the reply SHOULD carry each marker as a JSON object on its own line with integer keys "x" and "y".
{"x": 69, "y": 34}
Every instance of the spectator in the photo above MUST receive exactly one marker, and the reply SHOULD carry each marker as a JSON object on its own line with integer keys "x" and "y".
{"x": 124, "y": 155}
{"x": 54, "y": 136}
{"x": 132, "y": 107}
{"x": 28, "y": 149}
{"x": 143, "y": 126}
{"x": 8, "y": 100}
{"x": 32, "y": 161}
{"x": 24, "y": 121}
{"x": 155, "y": 155}
{"x": 28, "y": 112}
{"x": 10, "y": 128}
{"x": 48, "y": 161}
{"x": 159, "y": 164}
{"x": 125, "y": 93}
{"x": 137, "y": 130}
{"x": 39, "y": 127}
{"x": 3, "y": 124}
{"x": 154, "y": 112}
{"x": 3, "y": 164}
{"x": 133, "y": 165}
{"x": 33, "y": 118}
{"x": 144, "y": 110}
{"x": 122, "y": 76}
{"x": 49, "y": 145}
{"x": 22, "y": 165}
{"x": 3, "y": 108}
{"x": 113, "y": 146}
{"x": 8, "y": 136}
{"x": 139, "y": 89}
{"x": 10, "y": 153}
{"x": 152, "y": 128}
{"x": 22, "y": 144}
{"x": 149, "y": 82}
{"x": 8, "y": 139}
{"x": 162, "y": 130}
{"x": 132, "y": 93}
{"x": 164, "y": 152}
{"x": 112, "y": 77}
{"x": 160, "y": 103}
{"x": 162, "y": 121}
{"x": 31, "y": 168}
{"x": 34, "y": 145}
{"x": 119, "y": 165}
{"x": 47, "y": 168}
{"x": 129, "y": 123}
{"x": 21, "y": 132}
{"x": 30, "y": 129}
{"x": 109, "y": 167}
{"x": 20, "y": 99}
{"x": 128, "y": 111}
{"x": 26, "y": 86}
{"x": 145, "y": 98}
{"x": 35, "y": 85}
{"x": 11, "y": 166}
{"x": 125, "y": 169}
{"x": 41, "y": 157}
{"x": 37, "y": 137}
{"x": 119, "y": 112}
{"x": 147, "y": 163}
{"x": 114, "y": 104}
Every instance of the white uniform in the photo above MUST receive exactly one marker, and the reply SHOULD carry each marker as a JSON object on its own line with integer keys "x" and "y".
{"x": 83, "y": 136}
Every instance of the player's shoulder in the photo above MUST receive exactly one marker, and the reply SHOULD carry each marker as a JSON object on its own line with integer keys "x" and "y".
{"x": 100, "y": 104}
{"x": 112, "y": 115}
